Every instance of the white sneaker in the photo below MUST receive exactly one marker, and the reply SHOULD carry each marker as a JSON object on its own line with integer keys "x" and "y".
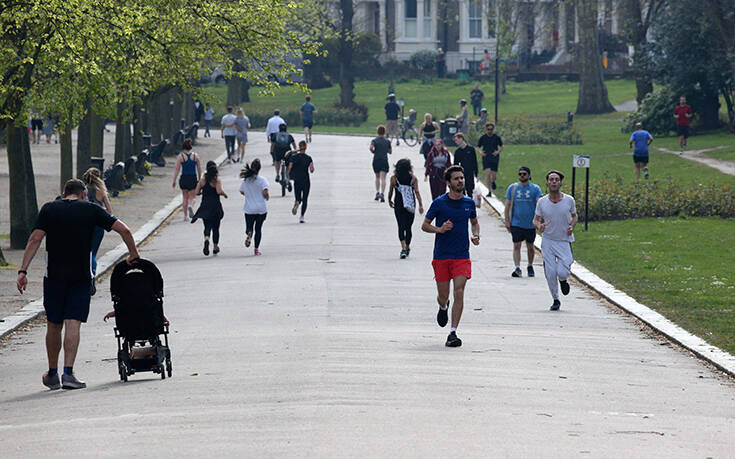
{"x": 301, "y": 219}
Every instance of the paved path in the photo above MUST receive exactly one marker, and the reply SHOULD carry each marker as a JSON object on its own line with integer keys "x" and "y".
{"x": 726, "y": 167}
{"x": 627, "y": 106}
{"x": 327, "y": 346}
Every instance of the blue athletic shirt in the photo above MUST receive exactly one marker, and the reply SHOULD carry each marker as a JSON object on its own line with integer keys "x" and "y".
{"x": 640, "y": 139}
{"x": 307, "y": 111}
{"x": 524, "y": 204}
{"x": 455, "y": 243}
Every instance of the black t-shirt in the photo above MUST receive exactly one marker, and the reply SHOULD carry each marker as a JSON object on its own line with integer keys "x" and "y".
{"x": 489, "y": 143}
{"x": 382, "y": 148}
{"x": 276, "y": 148}
{"x": 467, "y": 158}
{"x": 300, "y": 168}
{"x": 391, "y": 111}
{"x": 476, "y": 96}
{"x": 68, "y": 225}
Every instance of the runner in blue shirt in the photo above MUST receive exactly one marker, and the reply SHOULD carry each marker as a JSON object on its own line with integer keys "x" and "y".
{"x": 452, "y": 211}
{"x": 641, "y": 139}
{"x": 520, "y": 206}
{"x": 307, "y": 117}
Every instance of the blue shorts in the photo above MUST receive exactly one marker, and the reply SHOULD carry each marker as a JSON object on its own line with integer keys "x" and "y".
{"x": 66, "y": 300}
{"x": 308, "y": 124}
{"x": 640, "y": 159}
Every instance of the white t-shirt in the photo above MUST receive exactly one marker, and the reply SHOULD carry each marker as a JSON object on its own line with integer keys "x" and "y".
{"x": 255, "y": 202}
{"x": 557, "y": 216}
{"x": 229, "y": 119}
{"x": 273, "y": 124}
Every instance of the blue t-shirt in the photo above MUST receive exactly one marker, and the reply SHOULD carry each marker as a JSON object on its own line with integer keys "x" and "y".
{"x": 640, "y": 139}
{"x": 455, "y": 243}
{"x": 391, "y": 111}
{"x": 524, "y": 203}
{"x": 307, "y": 111}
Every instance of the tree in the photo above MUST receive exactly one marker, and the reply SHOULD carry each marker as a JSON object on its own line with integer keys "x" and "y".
{"x": 592, "y": 97}
{"x": 722, "y": 15}
{"x": 638, "y": 16}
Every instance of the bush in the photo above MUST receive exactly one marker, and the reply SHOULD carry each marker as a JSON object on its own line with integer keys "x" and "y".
{"x": 329, "y": 116}
{"x": 611, "y": 199}
{"x": 656, "y": 113}
{"x": 531, "y": 131}
{"x": 423, "y": 60}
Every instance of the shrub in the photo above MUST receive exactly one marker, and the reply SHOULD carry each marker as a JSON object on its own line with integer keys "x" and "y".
{"x": 423, "y": 60}
{"x": 656, "y": 113}
{"x": 531, "y": 131}
{"x": 330, "y": 116}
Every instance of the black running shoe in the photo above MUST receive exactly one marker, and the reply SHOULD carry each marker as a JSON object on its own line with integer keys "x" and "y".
{"x": 564, "y": 287}
{"x": 403, "y": 254}
{"x": 206, "y": 248}
{"x": 215, "y": 250}
{"x": 531, "y": 272}
{"x": 555, "y": 306}
{"x": 453, "y": 340}
{"x": 442, "y": 317}
{"x": 493, "y": 185}
{"x": 489, "y": 193}
{"x": 516, "y": 273}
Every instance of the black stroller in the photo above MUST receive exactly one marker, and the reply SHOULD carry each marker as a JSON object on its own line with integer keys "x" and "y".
{"x": 137, "y": 294}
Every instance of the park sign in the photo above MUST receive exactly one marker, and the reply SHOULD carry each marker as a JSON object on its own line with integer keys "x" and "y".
{"x": 582, "y": 161}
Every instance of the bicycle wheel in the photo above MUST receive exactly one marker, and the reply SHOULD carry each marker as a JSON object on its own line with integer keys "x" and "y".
{"x": 411, "y": 137}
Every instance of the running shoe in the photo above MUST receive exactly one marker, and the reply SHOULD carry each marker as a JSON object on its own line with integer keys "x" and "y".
{"x": 278, "y": 179}
{"x": 288, "y": 185}
{"x": 382, "y": 197}
{"x": 377, "y": 196}
{"x": 71, "y": 382}
{"x": 257, "y": 252}
{"x": 564, "y": 287}
{"x": 489, "y": 193}
{"x": 516, "y": 273}
{"x": 295, "y": 208}
{"x": 453, "y": 340}
{"x": 301, "y": 219}
{"x": 493, "y": 185}
{"x": 531, "y": 272}
{"x": 215, "y": 250}
{"x": 442, "y": 317}
{"x": 681, "y": 152}
{"x": 247, "y": 239}
{"x": 52, "y": 382}
{"x": 205, "y": 250}
{"x": 408, "y": 251}
{"x": 645, "y": 173}
{"x": 403, "y": 254}
{"x": 191, "y": 212}
{"x": 555, "y": 306}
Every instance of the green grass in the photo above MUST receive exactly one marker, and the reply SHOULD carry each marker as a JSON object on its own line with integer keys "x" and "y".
{"x": 682, "y": 268}
{"x": 724, "y": 154}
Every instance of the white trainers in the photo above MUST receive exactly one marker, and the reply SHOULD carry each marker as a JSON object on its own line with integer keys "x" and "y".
{"x": 301, "y": 219}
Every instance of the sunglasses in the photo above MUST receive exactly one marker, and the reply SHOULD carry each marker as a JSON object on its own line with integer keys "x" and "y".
{"x": 522, "y": 174}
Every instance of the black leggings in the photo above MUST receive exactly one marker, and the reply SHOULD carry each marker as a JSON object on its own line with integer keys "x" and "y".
{"x": 301, "y": 191}
{"x": 212, "y": 225}
{"x": 405, "y": 220}
{"x": 255, "y": 220}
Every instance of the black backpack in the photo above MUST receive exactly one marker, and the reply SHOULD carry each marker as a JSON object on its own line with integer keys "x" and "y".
{"x": 282, "y": 139}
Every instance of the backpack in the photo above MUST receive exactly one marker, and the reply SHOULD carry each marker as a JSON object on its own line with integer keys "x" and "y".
{"x": 282, "y": 139}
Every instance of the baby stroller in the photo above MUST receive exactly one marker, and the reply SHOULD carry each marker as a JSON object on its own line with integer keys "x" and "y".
{"x": 137, "y": 294}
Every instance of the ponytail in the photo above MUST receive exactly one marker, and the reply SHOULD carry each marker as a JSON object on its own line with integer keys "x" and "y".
{"x": 92, "y": 178}
{"x": 250, "y": 170}
{"x": 211, "y": 174}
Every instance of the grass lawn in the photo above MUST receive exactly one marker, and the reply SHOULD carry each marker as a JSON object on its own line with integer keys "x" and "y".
{"x": 682, "y": 268}
{"x": 725, "y": 154}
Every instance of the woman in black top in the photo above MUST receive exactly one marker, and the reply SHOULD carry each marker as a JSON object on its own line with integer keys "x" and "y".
{"x": 210, "y": 210}
{"x": 427, "y": 132}
{"x": 299, "y": 167}
{"x": 406, "y": 187}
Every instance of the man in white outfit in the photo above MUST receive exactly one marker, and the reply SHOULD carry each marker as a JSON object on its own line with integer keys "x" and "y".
{"x": 556, "y": 215}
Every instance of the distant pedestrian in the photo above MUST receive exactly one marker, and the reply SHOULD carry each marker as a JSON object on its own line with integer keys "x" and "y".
{"x": 441, "y": 63}
{"x": 255, "y": 189}
{"x": 436, "y": 164}
{"x": 96, "y": 194}
{"x": 299, "y": 166}
{"x": 49, "y": 128}
{"x": 198, "y": 111}
{"x": 491, "y": 145}
{"x": 210, "y": 210}
{"x": 556, "y": 216}
{"x": 242, "y": 123}
{"x": 405, "y": 185}
{"x": 229, "y": 132}
{"x": 281, "y": 143}
{"x": 451, "y": 261}
{"x": 392, "y": 109}
{"x": 381, "y": 148}
{"x": 466, "y": 156}
{"x": 520, "y": 205}
{"x": 273, "y": 124}
{"x": 641, "y": 139}
{"x": 208, "y": 117}
{"x": 68, "y": 225}
{"x": 463, "y": 118}
{"x": 482, "y": 121}
{"x": 191, "y": 169}
{"x": 307, "y": 117}
{"x": 36, "y": 126}
{"x": 427, "y": 132}
{"x": 683, "y": 117}
{"x": 476, "y": 98}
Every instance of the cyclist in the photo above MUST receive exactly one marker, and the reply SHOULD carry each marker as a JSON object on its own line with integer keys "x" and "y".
{"x": 427, "y": 132}
{"x": 281, "y": 143}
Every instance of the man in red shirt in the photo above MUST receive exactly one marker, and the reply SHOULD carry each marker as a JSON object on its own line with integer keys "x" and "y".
{"x": 682, "y": 115}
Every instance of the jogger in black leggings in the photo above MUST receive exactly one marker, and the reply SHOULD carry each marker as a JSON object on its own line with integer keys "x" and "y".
{"x": 211, "y": 225}
{"x": 299, "y": 167}
{"x": 255, "y": 222}
{"x": 255, "y": 189}
{"x": 405, "y": 186}
{"x": 210, "y": 210}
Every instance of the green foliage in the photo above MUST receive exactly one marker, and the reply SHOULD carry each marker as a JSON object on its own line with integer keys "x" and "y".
{"x": 423, "y": 60}
{"x": 532, "y": 131}
{"x": 655, "y": 113}
{"x": 323, "y": 70}
{"x": 329, "y": 116}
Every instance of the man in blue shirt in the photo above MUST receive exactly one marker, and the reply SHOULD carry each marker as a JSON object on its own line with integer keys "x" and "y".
{"x": 392, "y": 109}
{"x": 452, "y": 211}
{"x": 641, "y": 139}
{"x": 307, "y": 117}
{"x": 520, "y": 206}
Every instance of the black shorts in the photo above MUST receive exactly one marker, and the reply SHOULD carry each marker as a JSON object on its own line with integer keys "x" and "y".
{"x": 36, "y": 125}
{"x": 187, "y": 182}
{"x": 682, "y": 131}
{"x": 523, "y": 234}
{"x": 308, "y": 124}
{"x": 278, "y": 155}
{"x": 640, "y": 159}
{"x": 380, "y": 166}
{"x": 491, "y": 162}
{"x": 66, "y": 300}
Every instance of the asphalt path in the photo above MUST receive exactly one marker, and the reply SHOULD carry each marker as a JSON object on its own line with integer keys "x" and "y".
{"x": 327, "y": 345}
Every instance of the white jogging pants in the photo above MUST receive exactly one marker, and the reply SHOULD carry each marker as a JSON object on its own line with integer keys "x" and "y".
{"x": 558, "y": 261}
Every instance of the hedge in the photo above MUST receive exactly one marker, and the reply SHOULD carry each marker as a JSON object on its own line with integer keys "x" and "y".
{"x": 327, "y": 116}
{"x": 532, "y": 131}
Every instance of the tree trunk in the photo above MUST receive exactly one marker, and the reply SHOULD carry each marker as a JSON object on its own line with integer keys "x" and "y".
{"x": 123, "y": 144}
{"x": 346, "y": 50}
{"x": 177, "y": 97}
{"x": 84, "y": 140}
{"x": 97, "y": 135}
{"x": 244, "y": 90}
{"x": 2, "y": 259}
{"x": 22, "y": 189}
{"x": 592, "y": 97}
{"x": 154, "y": 109}
{"x": 710, "y": 110}
{"x": 635, "y": 32}
{"x": 67, "y": 155}
{"x": 138, "y": 122}
{"x": 233, "y": 91}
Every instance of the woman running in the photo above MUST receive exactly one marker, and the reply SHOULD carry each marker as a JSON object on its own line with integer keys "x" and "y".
{"x": 255, "y": 189}
{"x": 96, "y": 194}
{"x": 299, "y": 166}
{"x": 436, "y": 163}
{"x": 427, "y": 132}
{"x": 406, "y": 187}
{"x": 242, "y": 123}
{"x": 191, "y": 169}
{"x": 210, "y": 210}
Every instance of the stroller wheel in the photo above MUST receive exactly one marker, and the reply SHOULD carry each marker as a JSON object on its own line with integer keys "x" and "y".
{"x": 163, "y": 372}
{"x": 169, "y": 369}
{"x": 123, "y": 372}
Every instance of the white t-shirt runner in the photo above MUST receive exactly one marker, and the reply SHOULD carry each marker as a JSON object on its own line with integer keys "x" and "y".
{"x": 255, "y": 202}
{"x": 557, "y": 216}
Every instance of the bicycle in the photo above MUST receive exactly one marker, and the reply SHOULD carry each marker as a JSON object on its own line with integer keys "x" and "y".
{"x": 285, "y": 182}
{"x": 409, "y": 134}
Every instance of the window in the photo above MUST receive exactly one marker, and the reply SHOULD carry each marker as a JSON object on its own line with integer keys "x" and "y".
{"x": 492, "y": 18}
{"x": 427, "y": 19}
{"x": 475, "y": 18}
{"x": 409, "y": 21}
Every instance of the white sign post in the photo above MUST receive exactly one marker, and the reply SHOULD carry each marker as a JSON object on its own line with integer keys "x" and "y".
{"x": 582, "y": 161}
